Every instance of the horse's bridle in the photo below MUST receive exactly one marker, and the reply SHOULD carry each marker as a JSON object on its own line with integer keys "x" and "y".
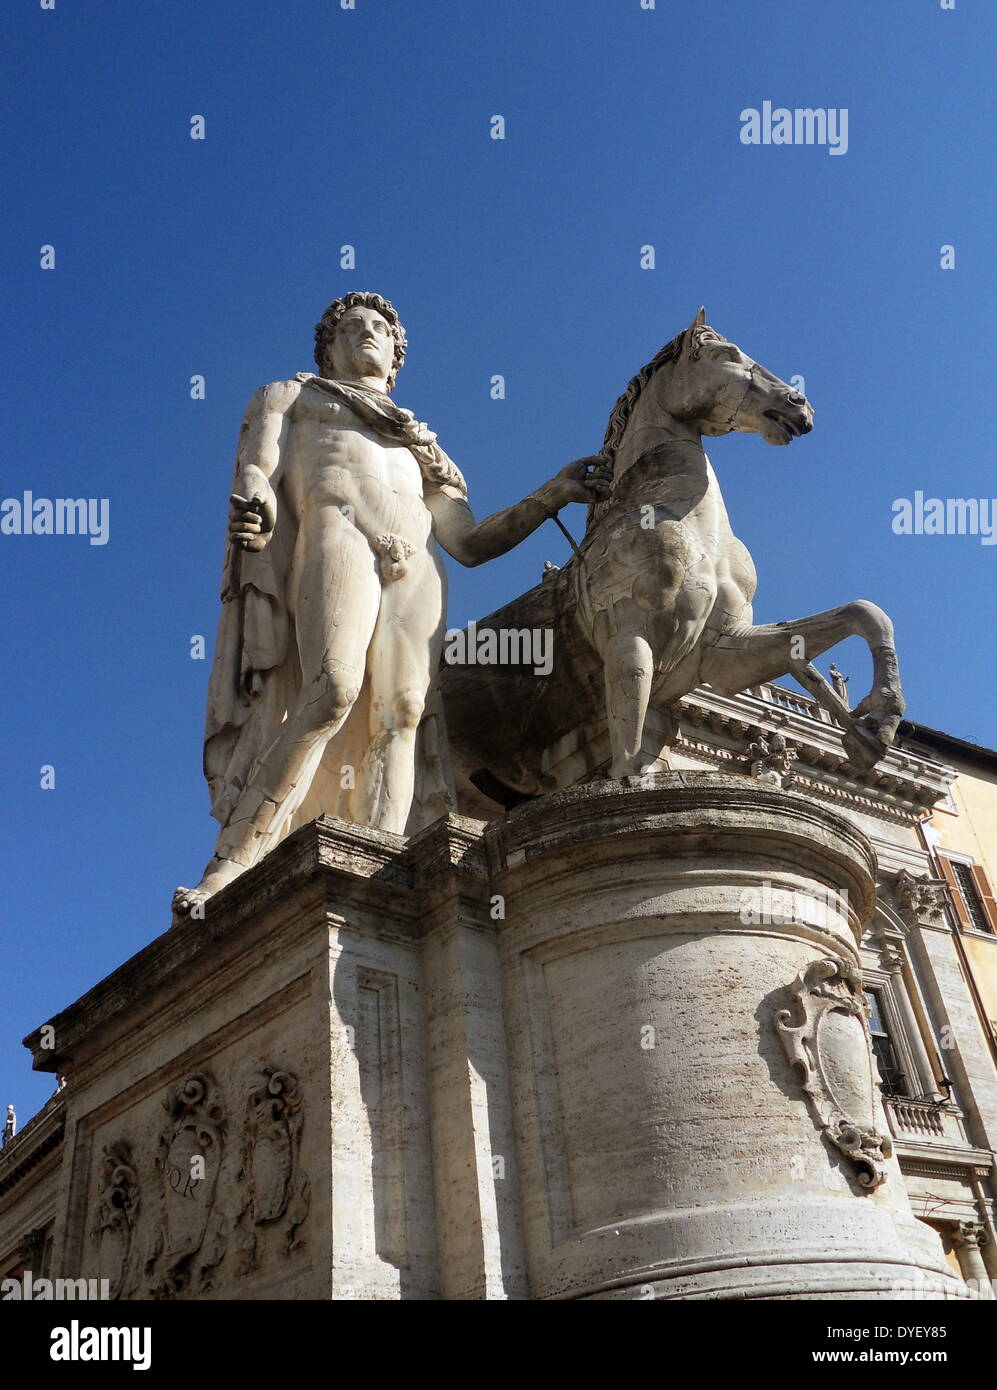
{"x": 732, "y": 422}
{"x": 795, "y": 398}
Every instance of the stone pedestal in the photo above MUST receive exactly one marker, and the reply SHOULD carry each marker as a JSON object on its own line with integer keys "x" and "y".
{"x": 563, "y": 1055}
{"x": 679, "y": 962}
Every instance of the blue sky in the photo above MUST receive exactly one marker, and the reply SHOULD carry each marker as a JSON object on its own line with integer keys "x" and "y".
{"x": 370, "y": 127}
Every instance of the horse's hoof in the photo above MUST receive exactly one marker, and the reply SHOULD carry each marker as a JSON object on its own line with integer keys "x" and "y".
{"x": 863, "y": 748}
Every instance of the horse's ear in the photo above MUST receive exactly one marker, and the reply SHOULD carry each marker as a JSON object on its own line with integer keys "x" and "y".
{"x": 700, "y": 320}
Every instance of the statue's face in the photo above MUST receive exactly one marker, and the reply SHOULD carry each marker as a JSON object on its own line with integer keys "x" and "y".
{"x": 363, "y": 344}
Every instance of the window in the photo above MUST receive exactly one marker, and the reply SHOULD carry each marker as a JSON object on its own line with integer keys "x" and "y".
{"x": 972, "y": 896}
{"x": 964, "y": 878}
{"x": 892, "y": 1081}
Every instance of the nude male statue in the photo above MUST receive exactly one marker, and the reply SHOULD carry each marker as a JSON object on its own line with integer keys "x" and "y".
{"x": 335, "y": 591}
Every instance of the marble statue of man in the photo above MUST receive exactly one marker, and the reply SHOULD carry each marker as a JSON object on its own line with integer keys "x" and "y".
{"x": 322, "y": 695}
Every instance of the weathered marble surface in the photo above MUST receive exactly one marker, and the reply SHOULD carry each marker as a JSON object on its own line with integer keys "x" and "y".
{"x": 542, "y": 1058}
{"x": 322, "y": 696}
{"x": 657, "y": 599}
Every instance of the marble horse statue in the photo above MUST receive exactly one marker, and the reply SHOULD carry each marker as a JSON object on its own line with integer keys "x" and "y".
{"x": 657, "y": 598}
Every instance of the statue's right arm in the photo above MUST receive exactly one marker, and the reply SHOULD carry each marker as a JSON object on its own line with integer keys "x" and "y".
{"x": 253, "y": 512}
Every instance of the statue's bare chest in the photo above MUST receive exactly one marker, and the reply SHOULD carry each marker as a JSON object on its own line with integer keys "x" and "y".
{"x": 328, "y": 437}
{"x": 334, "y": 456}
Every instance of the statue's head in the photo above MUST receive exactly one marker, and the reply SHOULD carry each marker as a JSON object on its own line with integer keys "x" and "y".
{"x": 360, "y": 335}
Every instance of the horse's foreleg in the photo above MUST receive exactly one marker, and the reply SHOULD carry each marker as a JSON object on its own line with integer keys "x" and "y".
{"x": 872, "y": 725}
{"x": 765, "y": 653}
{"x": 628, "y": 669}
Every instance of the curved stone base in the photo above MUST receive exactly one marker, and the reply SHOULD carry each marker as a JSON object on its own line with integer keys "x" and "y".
{"x": 802, "y": 1249}
{"x": 692, "y": 1080}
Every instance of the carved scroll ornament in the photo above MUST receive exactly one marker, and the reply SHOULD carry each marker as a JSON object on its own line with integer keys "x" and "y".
{"x": 829, "y": 1043}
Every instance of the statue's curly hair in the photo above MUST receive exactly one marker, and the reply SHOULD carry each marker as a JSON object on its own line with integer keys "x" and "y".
{"x": 325, "y": 329}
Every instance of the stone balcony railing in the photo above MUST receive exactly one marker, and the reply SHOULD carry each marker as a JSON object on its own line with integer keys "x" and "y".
{"x": 923, "y": 1121}
{"x": 792, "y": 700}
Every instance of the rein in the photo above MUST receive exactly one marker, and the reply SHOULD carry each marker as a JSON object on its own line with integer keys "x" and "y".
{"x": 570, "y": 538}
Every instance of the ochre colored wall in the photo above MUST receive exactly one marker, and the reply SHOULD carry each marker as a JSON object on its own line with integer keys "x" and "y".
{"x": 974, "y": 830}
{"x": 983, "y": 958}
{"x": 944, "y": 1231}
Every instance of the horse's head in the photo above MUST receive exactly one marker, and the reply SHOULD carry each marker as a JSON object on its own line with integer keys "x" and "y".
{"x": 712, "y": 384}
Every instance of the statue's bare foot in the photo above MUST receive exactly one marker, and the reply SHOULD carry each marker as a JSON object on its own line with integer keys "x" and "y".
{"x": 189, "y": 902}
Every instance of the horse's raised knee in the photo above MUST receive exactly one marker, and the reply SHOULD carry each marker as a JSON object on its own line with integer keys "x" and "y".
{"x": 869, "y": 617}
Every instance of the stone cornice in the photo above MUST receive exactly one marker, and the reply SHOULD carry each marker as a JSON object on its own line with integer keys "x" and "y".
{"x": 309, "y": 880}
{"x": 671, "y": 807}
{"x": 942, "y": 1160}
{"x": 902, "y": 787}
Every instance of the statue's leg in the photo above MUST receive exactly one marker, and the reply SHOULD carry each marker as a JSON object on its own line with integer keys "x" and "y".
{"x": 337, "y": 597}
{"x": 404, "y": 653}
{"x": 655, "y": 632}
{"x": 628, "y": 671}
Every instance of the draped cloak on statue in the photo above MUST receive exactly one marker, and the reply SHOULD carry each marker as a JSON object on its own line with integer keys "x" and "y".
{"x": 256, "y": 677}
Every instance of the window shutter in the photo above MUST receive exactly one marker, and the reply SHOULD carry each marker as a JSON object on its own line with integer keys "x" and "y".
{"x": 986, "y": 894}
{"x": 955, "y": 894}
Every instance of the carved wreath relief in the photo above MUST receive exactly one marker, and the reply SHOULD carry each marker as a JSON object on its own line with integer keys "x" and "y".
{"x": 830, "y": 1045}
{"x": 115, "y": 1216}
{"x": 212, "y": 1200}
{"x": 188, "y": 1160}
{"x": 277, "y": 1188}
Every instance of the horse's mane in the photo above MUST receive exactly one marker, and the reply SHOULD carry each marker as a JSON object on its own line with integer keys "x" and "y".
{"x": 623, "y": 409}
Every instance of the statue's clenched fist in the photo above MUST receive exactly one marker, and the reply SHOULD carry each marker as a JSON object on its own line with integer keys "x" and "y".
{"x": 250, "y": 521}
